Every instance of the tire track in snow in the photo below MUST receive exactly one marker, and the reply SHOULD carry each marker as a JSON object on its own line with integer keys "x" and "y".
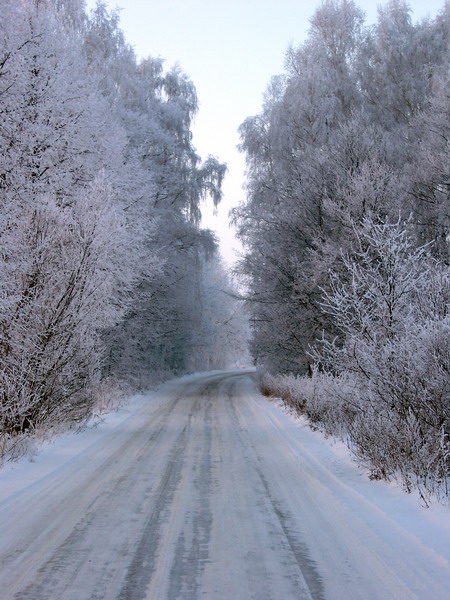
{"x": 310, "y": 584}
{"x": 144, "y": 563}
{"x": 59, "y": 572}
{"x": 191, "y": 555}
{"x": 298, "y": 547}
{"x": 207, "y": 493}
{"x": 142, "y": 566}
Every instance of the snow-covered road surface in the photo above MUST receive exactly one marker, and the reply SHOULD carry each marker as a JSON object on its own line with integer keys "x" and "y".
{"x": 208, "y": 491}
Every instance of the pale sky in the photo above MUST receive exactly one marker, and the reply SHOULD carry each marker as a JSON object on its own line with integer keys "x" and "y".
{"x": 230, "y": 49}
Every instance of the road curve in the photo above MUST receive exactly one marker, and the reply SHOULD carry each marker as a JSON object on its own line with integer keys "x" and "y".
{"x": 201, "y": 494}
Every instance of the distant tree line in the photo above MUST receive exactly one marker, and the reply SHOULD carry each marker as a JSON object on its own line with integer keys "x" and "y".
{"x": 346, "y": 230}
{"x": 105, "y": 273}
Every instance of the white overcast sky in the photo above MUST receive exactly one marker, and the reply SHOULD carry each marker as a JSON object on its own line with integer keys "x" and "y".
{"x": 230, "y": 49}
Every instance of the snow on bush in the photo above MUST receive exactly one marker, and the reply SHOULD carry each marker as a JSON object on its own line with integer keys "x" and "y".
{"x": 384, "y": 383}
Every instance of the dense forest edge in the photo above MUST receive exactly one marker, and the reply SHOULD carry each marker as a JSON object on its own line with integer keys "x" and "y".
{"x": 108, "y": 283}
{"x": 346, "y": 231}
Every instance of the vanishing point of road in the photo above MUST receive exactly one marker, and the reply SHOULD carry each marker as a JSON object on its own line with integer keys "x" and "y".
{"x": 203, "y": 494}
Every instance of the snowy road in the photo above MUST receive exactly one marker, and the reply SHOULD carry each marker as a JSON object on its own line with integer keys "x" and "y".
{"x": 207, "y": 491}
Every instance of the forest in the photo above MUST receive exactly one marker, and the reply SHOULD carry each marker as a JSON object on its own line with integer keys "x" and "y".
{"x": 107, "y": 281}
{"x": 346, "y": 230}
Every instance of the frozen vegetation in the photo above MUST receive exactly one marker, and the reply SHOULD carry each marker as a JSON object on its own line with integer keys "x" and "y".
{"x": 107, "y": 281}
{"x": 346, "y": 230}
{"x": 109, "y": 284}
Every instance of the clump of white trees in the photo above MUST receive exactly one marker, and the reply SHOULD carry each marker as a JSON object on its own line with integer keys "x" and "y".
{"x": 104, "y": 269}
{"x": 346, "y": 226}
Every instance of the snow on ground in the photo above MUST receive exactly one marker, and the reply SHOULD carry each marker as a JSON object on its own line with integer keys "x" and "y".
{"x": 54, "y": 454}
{"x": 205, "y": 489}
{"x": 430, "y": 524}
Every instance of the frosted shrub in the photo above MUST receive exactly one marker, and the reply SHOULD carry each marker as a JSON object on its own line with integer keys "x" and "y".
{"x": 334, "y": 404}
{"x": 384, "y": 386}
{"x": 392, "y": 310}
{"x": 15, "y": 447}
{"x": 56, "y": 305}
{"x": 322, "y": 398}
{"x": 286, "y": 387}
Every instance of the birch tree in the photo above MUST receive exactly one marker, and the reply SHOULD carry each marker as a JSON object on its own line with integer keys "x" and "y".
{"x": 67, "y": 258}
{"x": 344, "y": 134}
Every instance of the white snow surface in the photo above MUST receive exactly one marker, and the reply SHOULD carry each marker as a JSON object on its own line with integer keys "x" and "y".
{"x": 205, "y": 489}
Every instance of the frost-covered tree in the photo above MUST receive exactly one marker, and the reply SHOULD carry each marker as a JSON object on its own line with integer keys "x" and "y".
{"x": 291, "y": 178}
{"x": 220, "y": 339}
{"x": 356, "y": 127}
{"x": 164, "y": 184}
{"x": 100, "y": 189}
{"x": 393, "y": 311}
{"x": 56, "y": 127}
{"x": 67, "y": 256}
{"x": 71, "y": 278}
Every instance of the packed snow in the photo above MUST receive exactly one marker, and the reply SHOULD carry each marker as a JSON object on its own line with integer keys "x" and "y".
{"x": 205, "y": 489}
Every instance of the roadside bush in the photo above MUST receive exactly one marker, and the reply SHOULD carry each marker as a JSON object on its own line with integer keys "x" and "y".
{"x": 384, "y": 384}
